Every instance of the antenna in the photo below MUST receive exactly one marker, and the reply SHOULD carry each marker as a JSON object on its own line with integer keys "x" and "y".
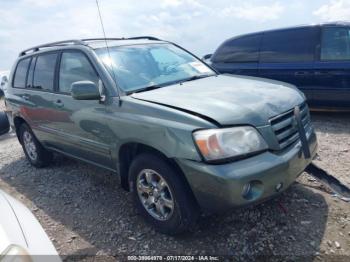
{"x": 103, "y": 28}
{"x": 105, "y": 38}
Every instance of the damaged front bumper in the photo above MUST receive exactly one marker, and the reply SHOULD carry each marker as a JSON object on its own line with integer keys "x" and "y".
{"x": 220, "y": 187}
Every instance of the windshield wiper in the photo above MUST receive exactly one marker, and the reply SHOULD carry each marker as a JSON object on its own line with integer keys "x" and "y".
{"x": 152, "y": 87}
{"x": 192, "y": 78}
{"x": 147, "y": 88}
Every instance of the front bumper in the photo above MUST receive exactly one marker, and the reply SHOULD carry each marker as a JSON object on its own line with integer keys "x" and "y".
{"x": 219, "y": 187}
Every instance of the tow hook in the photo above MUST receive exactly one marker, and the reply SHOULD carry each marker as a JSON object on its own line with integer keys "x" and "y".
{"x": 339, "y": 189}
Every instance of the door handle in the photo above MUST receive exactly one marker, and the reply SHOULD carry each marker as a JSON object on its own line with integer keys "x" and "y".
{"x": 59, "y": 103}
{"x": 301, "y": 73}
{"x": 25, "y": 97}
{"x": 322, "y": 73}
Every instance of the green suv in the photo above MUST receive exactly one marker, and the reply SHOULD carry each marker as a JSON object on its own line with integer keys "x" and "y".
{"x": 183, "y": 139}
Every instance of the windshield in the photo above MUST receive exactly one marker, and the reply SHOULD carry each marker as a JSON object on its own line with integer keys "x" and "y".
{"x": 137, "y": 67}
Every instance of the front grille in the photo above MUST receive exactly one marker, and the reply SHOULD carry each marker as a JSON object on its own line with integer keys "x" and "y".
{"x": 285, "y": 126}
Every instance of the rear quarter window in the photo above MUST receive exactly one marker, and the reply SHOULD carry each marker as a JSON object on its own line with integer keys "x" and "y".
{"x": 335, "y": 44}
{"x": 21, "y": 73}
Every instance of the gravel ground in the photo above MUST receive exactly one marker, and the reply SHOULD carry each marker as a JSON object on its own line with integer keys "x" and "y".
{"x": 85, "y": 211}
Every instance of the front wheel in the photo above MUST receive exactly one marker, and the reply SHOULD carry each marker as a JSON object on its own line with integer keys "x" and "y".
{"x": 161, "y": 195}
{"x": 37, "y": 155}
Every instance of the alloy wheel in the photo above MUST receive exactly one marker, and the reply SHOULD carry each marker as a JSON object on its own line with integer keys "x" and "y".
{"x": 30, "y": 146}
{"x": 155, "y": 194}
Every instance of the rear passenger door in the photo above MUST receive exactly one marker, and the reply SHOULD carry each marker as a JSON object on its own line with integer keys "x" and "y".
{"x": 40, "y": 86}
{"x": 332, "y": 70}
{"x": 238, "y": 56}
{"x": 288, "y": 55}
{"x": 34, "y": 89}
{"x": 80, "y": 124}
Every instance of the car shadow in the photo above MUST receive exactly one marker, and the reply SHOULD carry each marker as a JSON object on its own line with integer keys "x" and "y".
{"x": 90, "y": 203}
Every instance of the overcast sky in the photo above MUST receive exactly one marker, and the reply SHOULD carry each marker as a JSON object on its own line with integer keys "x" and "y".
{"x": 198, "y": 25}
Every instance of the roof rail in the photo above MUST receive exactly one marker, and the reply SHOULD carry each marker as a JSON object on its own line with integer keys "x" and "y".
{"x": 58, "y": 43}
{"x": 144, "y": 37}
{"x": 121, "y": 38}
{"x": 101, "y": 39}
{"x": 81, "y": 42}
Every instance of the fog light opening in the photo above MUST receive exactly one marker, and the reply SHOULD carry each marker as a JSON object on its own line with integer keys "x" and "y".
{"x": 252, "y": 190}
{"x": 246, "y": 190}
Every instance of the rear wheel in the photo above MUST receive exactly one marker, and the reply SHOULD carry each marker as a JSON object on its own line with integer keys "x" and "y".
{"x": 161, "y": 195}
{"x": 36, "y": 154}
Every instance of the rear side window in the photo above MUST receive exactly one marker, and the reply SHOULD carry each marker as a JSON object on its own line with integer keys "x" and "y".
{"x": 31, "y": 73}
{"x": 21, "y": 73}
{"x": 335, "y": 43}
{"x": 75, "y": 67}
{"x": 242, "y": 49}
{"x": 45, "y": 71}
{"x": 294, "y": 45}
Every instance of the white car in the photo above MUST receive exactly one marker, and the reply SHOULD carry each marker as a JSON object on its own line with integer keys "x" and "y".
{"x": 22, "y": 239}
{"x": 4, "y": 76}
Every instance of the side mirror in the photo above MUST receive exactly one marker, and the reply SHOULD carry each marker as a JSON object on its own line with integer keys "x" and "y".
{"x": 85, "y": 90}
{"x": 3, "y": 82}
{"x": 207, "y": 56}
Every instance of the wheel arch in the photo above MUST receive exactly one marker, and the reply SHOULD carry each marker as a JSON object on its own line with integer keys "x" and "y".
{"x": 18, "y": 121}
{"x": 129, "y": 151}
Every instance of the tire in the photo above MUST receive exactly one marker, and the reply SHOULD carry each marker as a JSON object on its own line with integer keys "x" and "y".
{"x": 4, "y": 123}
{"x": 36, "y": 154}
{"x": 184, "y": 212}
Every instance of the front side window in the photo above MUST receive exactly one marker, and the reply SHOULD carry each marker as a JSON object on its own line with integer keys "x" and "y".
{"x": 21, "y": 73}
{"x": 335, "y": 43}
{"x": 242, "y": 49}
{"x": 293, "y": 45}
{"x": 75, "y": 67}
{"x": 136, "y": 67}
{"x": 45, "y": 71}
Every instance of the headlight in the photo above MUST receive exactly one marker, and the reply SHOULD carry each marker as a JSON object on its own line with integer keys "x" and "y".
{"x": 217, "y": 144}
{"x": 15, "y": 254}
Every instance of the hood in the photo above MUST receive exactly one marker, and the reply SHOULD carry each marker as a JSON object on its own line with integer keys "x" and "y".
{"x": 228, "y": 100}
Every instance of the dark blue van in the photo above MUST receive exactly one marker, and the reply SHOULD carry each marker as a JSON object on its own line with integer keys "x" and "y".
{"x": 315, "y": 58}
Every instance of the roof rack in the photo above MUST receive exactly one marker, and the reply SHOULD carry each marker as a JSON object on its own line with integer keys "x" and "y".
{"x": 122, "y": 38}
{"x": 144, "y": 37}
{"x": 58, "y": 43}
{"x": 82, "y": 42}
